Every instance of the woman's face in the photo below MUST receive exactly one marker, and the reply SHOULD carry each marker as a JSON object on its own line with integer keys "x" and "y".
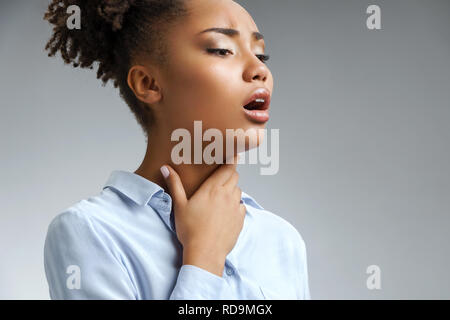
{"x": 213, "y": 86}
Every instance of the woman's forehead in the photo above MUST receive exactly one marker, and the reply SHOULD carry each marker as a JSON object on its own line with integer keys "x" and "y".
{"x": 205, "y": 14}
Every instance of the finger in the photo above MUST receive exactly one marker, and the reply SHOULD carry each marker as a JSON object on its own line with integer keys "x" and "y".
{"x": 237, "y": 193}
{"x": 232, "y": 181}
{"x": 175, "y": 186}
{"x": 221, "y": 174}
{"x": 243, "y": 208}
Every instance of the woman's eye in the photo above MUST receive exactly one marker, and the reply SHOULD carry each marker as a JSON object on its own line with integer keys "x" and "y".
{"x": 223, "y": 52}
{"x": 263, "y": 57}
{"x": 218, "y": 51}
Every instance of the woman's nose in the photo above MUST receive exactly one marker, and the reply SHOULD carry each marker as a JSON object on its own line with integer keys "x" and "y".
{"x": 256, "y": 70}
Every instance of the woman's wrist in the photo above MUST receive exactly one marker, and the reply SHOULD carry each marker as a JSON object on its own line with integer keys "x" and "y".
{"x": 207, "y": 261}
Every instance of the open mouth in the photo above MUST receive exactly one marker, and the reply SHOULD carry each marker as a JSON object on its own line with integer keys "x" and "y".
{"x": 257, "y": 104}
{"x": 256, "y": 108}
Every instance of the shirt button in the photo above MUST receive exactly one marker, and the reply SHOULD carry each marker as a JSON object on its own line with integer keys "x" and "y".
{"x": 230, "y": 271}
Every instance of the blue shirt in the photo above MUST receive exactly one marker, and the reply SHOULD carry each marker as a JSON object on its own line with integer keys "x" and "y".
{"x": 122, "y": 244}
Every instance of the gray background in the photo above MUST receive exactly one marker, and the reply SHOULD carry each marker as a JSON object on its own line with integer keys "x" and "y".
{"x": 363, "y": 118}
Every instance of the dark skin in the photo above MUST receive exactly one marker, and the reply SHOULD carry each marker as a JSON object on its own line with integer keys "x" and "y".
{"x": 211, "y": 87}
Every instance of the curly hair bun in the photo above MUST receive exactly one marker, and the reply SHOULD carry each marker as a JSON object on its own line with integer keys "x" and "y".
{"x": 113, "y": 11}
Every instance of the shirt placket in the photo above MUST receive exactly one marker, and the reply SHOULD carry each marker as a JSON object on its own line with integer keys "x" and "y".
{"x": 162, "y": 202}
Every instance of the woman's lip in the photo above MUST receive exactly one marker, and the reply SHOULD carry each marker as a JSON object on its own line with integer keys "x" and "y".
{"x": 257, "y": 115}
{"x": 260, "y": 93}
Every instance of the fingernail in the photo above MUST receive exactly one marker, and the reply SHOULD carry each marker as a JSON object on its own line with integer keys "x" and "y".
{"x": 165, "y": 172}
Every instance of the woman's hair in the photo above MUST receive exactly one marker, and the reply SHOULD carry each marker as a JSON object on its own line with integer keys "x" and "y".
{"x": 112, "y": 33}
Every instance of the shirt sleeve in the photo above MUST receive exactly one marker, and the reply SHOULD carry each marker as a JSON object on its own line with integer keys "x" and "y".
{"x": 305, "y": 278}
{"x": 195, "y": 283}
{"x": 303, "y": 292}
{"x": 80, "y": 265}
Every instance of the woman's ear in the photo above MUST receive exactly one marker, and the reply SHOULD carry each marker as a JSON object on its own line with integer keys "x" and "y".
{"x": 144, "y": 84}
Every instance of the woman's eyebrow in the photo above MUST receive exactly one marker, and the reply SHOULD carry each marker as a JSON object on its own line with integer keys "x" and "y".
{"x": 232, "y": 32}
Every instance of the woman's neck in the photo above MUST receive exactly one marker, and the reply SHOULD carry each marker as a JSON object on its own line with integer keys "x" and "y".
{"x": 159, "y": 153}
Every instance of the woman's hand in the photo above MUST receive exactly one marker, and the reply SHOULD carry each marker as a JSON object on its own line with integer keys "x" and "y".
{"x": 208, "y": 224}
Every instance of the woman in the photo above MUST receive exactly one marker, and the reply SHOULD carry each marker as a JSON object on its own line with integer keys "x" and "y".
{"x": 173, "y": 231}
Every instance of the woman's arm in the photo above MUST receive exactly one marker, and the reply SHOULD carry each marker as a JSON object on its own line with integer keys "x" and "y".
{"x": 80, "y": 265}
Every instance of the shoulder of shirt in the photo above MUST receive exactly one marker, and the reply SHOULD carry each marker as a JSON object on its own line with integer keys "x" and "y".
{"x": 89, "y": 212}
{"x": 273, "y": 220}
{"x": 76, "y": 222}
{"x": 71, "y": 217}
{"x": 77, "y": 219}
{"x": 76, "y": 229}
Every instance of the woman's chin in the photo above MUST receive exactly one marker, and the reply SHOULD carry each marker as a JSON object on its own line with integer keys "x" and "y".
{"x": 253, "y": 138}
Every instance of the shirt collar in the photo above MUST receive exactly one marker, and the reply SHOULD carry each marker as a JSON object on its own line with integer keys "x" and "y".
{"x": 145, "y": 192}
{"x": 134, "y": 186}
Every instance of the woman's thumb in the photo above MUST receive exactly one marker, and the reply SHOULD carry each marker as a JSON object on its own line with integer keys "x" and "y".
{"x": 174, "y": 184}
